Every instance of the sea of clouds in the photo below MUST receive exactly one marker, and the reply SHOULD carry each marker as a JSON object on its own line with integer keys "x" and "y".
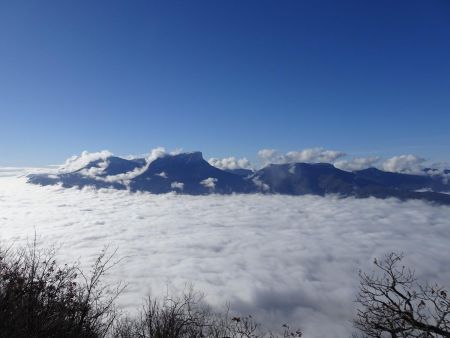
{"x": 279, "y": 258}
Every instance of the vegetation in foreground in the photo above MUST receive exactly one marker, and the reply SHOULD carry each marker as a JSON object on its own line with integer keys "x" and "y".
{"x": 41, "y": 299}
{"x": 393, "y": 303}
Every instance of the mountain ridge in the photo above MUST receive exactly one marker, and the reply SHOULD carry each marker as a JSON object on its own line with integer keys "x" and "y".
{"x": 190, "y": 173}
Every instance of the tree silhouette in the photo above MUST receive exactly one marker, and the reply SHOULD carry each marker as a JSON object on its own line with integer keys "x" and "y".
{"x": 394, "y": 304}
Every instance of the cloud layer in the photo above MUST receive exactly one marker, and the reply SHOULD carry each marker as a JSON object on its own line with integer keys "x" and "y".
{"x": 404, "y": 164}
{"x": 230, "y": 163}
{"x": 280, "y": 258}
{"x": 358, "y": 163}
{"x": 407, "y": 163}
{"x": 78, "y": 162}
{"x": 312, "y": 155}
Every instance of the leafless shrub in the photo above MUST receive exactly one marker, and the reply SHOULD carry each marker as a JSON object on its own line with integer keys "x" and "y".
{"x": 38, "y": 298}
{"x": 189, "y": 317}
{"x": 394, "y": 304}
{"x": 41, "y": 299}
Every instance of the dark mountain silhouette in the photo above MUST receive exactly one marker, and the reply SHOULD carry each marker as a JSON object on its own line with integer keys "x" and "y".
{"x": 433, "y": 182}
{"x": 394, "y": 180}
{"x": 115, "y": 165}
{"x": 305, "y": 178}
{"x": 189, "y": 173}
{"x": 324, "y": 178}
{"x": 195, "y": 174}
{"x": 110, "y": 166}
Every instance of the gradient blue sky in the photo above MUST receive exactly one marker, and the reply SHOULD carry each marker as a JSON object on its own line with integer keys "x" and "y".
{"x": 225, "y": 77}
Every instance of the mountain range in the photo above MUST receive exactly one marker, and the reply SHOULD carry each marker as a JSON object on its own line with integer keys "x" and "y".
{"x": 190, "y": 173}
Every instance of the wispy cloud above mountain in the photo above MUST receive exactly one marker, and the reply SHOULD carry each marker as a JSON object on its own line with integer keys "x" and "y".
{"x": 404, "y": 163}
{"x": 78, "y": 162}
{"x": 312, "y": 155}
{"x": 230, "y": 163}
{"x": 357, "y": 163}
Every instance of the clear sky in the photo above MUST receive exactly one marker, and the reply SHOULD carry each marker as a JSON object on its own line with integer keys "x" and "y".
{"x": 227, "y": 77}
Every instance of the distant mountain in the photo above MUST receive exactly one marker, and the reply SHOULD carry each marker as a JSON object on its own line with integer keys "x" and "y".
{"x": 305, "y": 178}
{"x": 95, "y": 173}
{"x": 189, "y": 173}
{"x": 113, "y": 165}
{"x": 394, "y": 180}
{"x": 436, "y": 182}
{"x": 324, "y": 178}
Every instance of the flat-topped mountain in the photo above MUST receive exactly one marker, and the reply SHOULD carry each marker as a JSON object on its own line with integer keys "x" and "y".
{"x": 188, "y": 173}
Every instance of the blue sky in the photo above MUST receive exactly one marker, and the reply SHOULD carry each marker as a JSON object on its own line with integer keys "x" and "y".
{"x": 225, "y": 77}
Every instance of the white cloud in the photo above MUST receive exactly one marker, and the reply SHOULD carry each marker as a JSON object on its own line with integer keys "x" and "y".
{"x": 177, "y": 185}
{"x": 12, "y": 171}
{"x": 77, "y": 162}
{"x": 23, "y": 171}
{"x": 210, "y": 182}
{"x": 409, "y": 164}
{"x": 440, "y": 166}
{"x": 95, "y": 171}
{"x": 312, "y": 155}
{"x": 404, "y": 164}
{"x": 126, "y": 177}
{"x": 134, "y": 156}
{"x": 230, "y": 163}
{"x": 155, "y": 154}
{"x": 262, "y": 186}
{"x": 292, "y": 168}
{"x": 269, "y": 156}
{"x": 280, "y": 258}
{"x": 442, "y": 169}
{"x": 358, "y": 163}
{"x": 162, "y": 174}
{"x": 176, "y": 151}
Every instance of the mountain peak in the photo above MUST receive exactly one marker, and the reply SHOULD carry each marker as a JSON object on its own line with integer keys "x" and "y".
{"x": 189, "y": 173}
{"x": 192, "y": 156}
